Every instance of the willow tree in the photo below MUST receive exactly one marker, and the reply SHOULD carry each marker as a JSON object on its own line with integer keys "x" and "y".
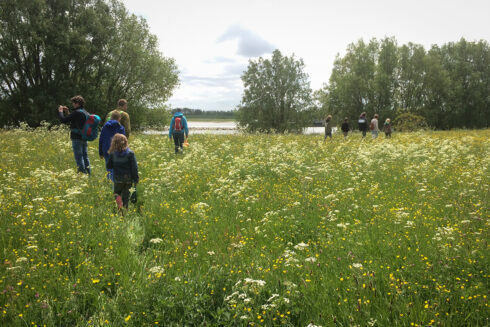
{"x": 277, "y": 95}
{"x": 52, "y": 50}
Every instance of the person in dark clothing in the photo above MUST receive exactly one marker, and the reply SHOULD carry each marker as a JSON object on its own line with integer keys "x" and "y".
{"x": 111, "y": 128}
{"x": 123, "y": 162}
{"x": 345, "y": 127}
{"x": 77, "y": 119}
{"x": 328, "y": 128}
{"x": 178, "y": 129}
{"x": 363, "y": 124}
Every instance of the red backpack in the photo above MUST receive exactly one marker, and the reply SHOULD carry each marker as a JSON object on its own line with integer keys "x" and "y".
{"x": 177, "y": 124}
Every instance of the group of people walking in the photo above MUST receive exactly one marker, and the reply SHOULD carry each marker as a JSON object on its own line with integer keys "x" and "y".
{"x": 362, "y": 124}
{"x": 120, "y": 160}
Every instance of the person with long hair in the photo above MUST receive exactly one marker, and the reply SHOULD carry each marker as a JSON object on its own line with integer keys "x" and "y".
{"x": 125, "y": 169}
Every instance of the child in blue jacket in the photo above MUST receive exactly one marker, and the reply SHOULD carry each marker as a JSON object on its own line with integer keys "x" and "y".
{"x": 123, "y": 161}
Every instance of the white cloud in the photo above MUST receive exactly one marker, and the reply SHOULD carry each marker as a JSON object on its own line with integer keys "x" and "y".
{"x": 250, "y": 44}
{"x": 212, "y": 40}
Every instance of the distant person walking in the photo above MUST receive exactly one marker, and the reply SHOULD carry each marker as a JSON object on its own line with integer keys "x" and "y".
{"x": 362, "y": 122}
{"x": 77, "y": 119}
{"x": 122, "y": 108}
{"x": 387, "y": 128}
{"x": 328, "y": 128}
{"x": 345, "y": 127}
{"x": 123, "y": 161}
{"x": 111, "y": 128}
{"x": 374, "y": 126}
{"x": 178, "y": 130}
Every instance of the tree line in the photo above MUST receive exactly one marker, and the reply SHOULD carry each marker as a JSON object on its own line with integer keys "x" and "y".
{"x": 444, "y": 87}
{"x": 52, "y": 50}
{"x": 448, "y": 85}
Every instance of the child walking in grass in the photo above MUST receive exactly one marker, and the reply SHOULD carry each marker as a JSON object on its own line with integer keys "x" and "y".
{"x": 125, "y": 169}
{"x": 387, "y": 128}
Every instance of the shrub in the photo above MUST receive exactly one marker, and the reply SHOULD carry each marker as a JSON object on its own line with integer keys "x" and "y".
{"x": 408, "y": 122}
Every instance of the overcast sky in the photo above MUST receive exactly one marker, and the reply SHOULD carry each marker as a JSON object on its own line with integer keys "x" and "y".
{"x": 213, "y": 40}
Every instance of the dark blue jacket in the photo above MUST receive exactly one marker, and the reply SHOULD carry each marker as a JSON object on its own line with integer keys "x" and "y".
{"x": 111, "y": 128}
{"x": 124, "y": 165}
{"x": 76, "y": 119}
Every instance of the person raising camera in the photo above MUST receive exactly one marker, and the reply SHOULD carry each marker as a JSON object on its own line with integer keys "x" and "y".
{"x": 76, "y": 119}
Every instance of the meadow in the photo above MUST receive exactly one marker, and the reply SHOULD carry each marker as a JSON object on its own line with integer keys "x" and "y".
{"x": 249, "y": 230}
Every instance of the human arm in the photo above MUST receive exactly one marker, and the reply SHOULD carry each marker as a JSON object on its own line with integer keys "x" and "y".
{"x": 61, "y": 114}
{"x": 186, "y": 129}
{"x": 171, "y": 128}
{"x": 109, "y": 164}
{"x": 134, "y": 169}
{"x": 127, "y": 128}
{"x": 101, "y": 136}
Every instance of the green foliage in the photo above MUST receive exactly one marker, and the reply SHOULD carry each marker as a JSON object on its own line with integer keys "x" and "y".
{"x": 406, "y": 121}
{"x": 252, "y": 230}
{"x": 157, "y": 118}
{"x": 53, "y": 50}
{"x": 447, "y": 85}
{"x": 277, "y": 95}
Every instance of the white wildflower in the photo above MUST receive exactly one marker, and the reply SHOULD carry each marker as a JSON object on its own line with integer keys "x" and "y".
{"x": 156, "y": 270}
{"x": 156, "y": 240}
{"x": 301, "y": 246}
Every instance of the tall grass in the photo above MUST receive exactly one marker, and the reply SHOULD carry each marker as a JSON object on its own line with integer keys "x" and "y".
{"x": 249, "y": 230}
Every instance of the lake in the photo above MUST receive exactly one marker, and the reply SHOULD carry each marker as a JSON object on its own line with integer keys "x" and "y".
{"x": 225, "y": 127}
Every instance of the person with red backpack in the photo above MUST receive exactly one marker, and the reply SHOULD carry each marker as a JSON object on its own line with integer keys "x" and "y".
{"x": 178, "y": 130}
{"x": 77, "y": 119}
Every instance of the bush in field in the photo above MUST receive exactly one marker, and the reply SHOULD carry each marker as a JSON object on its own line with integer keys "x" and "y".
{"x": 157, "y": 118}
{"x": 408, "y": 122}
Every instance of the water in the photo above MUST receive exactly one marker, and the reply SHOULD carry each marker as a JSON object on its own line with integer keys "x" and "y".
{"x": 226, "y": 127}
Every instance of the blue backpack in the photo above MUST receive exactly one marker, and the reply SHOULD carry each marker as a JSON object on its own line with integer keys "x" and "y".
{"x": 90, "y": 129}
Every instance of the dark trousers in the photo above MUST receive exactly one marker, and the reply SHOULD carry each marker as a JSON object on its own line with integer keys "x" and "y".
{"x": 178, "y": 141}
{"x": 122, "y": 189}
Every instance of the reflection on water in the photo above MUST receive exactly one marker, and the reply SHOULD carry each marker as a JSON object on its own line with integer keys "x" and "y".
{"x": 226, "y": 127}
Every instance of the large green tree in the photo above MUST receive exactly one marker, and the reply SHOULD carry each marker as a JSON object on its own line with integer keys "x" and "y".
{"x": 277, "y": 95}
{"x": 51, "y": 50}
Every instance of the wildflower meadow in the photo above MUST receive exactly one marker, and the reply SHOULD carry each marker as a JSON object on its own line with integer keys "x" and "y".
{"x": 249, "y": 230}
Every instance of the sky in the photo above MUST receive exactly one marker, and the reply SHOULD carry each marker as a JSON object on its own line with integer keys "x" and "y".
{"x": 212, "y": 41}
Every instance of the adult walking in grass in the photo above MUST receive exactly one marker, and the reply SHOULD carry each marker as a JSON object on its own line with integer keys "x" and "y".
{"x": 122, "y": 108}
{"x": 76, "y": 119}
{"x": 328, "y": 127}
{"x": 374, "y": 126}
{"x": 345, "y": 127}
{"x": 178, "y": 131}
{"x": 362, "y": 122}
